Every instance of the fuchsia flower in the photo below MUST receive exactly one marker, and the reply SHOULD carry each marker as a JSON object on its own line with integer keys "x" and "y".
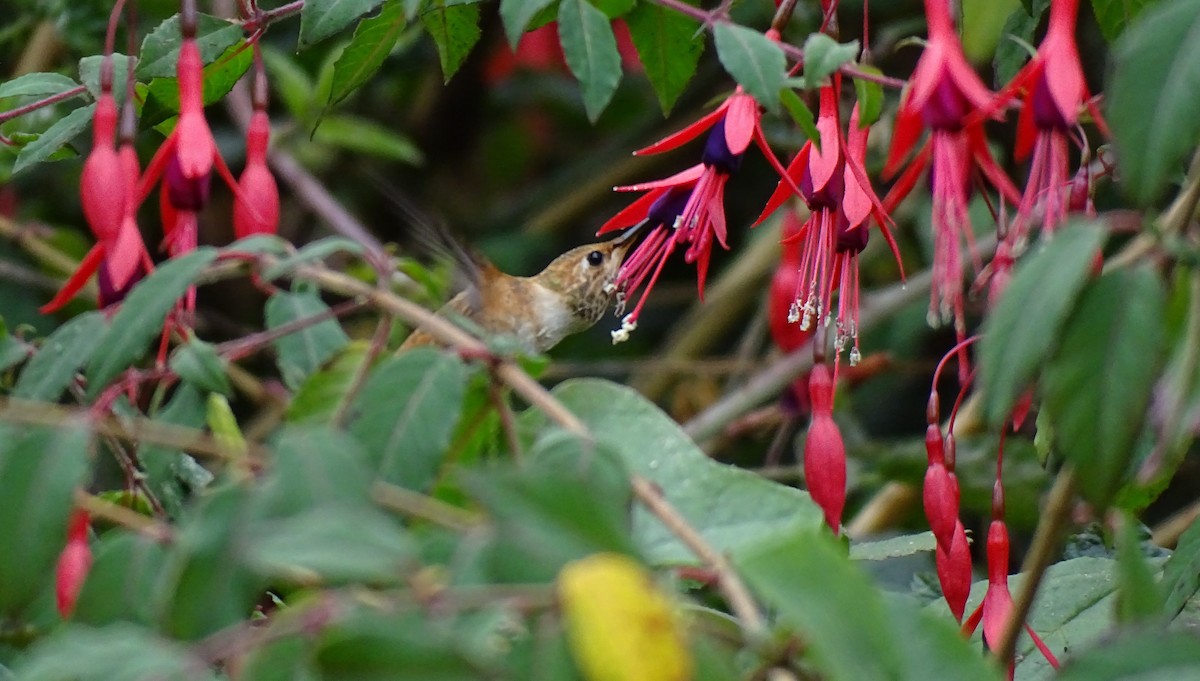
{"x": 73, "y": 564}
{"x": 256, "y": 205}
{"x": 1053, "y": 89}
{"x": 824, "y": 451}
{"x": 944, "y": 95}
{"x": 701, "y": 219}
{"x": 108, "y": 191}
{"x": 834, "y": 184}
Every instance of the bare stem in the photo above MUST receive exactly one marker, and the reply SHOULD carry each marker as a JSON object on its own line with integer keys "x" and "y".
{"x": 120, "y": 515}
{"x": 45, "y": 101}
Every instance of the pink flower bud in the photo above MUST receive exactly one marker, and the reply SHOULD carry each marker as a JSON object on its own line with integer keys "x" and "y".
{"x": 825, "y": 468}
{"x": 954, "y": 571}
{"x": 256, "y": 205}
{"x": 941, "y": 498}
{"x": 73, "y": 564}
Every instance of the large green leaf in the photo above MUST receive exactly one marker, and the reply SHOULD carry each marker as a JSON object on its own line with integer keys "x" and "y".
{"x": 303, "y": 352}
{"x": 1016, "y": 38}
{"x": 89, "y": 74}
{"x": 669, "y": 47}
{"x": 205, "y": 583}
{"x": 732, "y": 508}
{"x": 321, "y": 395}
{"x": 36, "y": 85}
{"x": 333, "y": 544}
{"x": 407, "y": 411}
{"x": 160, "y": 48}
{"x": 54, "y": 138}
{"x": 517, "y": 14}
{"x": 1021, "y": 331}
{"x": 1141, "y": 656}
{"x": 59, "y": 357}
{"x": 372, "y": 42}
{"x": 754, "y": 61}
{"x": 313, "y": 467}
{"x": 1181, "y": 574}
{"x": 1098, "y": 384}
{"x": 198, "y": 363}
{"x": 1114, "y": 16}
{"x": 591, "y": 51}
{"x": 454, "y": 28}
{"x": 121, "y": 652}
{"x": 1154, "y": 115}
{"x": 319, "y": 20}
{"x": 39, "y": 472}
{"x": 120, "y": 586}
{"x": 142, "y": 314}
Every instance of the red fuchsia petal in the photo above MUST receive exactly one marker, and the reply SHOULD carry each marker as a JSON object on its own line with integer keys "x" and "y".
{"x": 156, "y": 168}
{"x": 926, "y": 76}
{"x": 783, "y": 190}
{"x": 905, "y": 134}
{"x": 1041, "y": 646}
{"x": 686, "y": 135}
{"x": 167, "y": 213}
{"x": 825, "y": 162}
{"x": 1064, "y": 77}
{"x": 196, "y": 147}
{"x": 124, "y": 256}
{"x": 73, "y": 564}
{"x": 905, "y": 183}
{"x": 1027, "y": 131}
{"x": 954, "y": 573}
{"x": 256, "y": 206}
{"x": 633, "y": 213}
{"x": 678, "y": 179}
{"x": 741, "y": 120}
{"x": 76, "y": 282}
{"x": 825, "y": 466}
{"x": 994, "y": 173}
{"x": 1021, "y": 410}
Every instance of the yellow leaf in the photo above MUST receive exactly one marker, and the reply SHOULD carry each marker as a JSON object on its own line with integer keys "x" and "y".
{"x": 619, "y": 626}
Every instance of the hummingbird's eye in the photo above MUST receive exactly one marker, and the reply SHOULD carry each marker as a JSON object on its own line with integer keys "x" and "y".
{"x": 595, "y": 258}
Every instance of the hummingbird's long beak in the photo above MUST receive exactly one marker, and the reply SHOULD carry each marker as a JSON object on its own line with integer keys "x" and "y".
{"x": 626, "y": 239}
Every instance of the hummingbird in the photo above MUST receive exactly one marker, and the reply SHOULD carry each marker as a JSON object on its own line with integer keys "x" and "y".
{"x": 569, "y": 296}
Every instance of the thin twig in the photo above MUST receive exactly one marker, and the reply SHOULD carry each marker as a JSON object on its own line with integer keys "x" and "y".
{"x": 1042, "y": 551}
{"x": 125, "y": 517}
{"x": 418, "y": 505}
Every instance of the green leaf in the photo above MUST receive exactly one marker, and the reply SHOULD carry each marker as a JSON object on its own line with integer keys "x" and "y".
{"x": 895, "y": 547}
{"x": 120, "y": 652}
{"x": 13, "y": 350}
{"x": 407, "y": 431}
{"x": 836, "y": 610}
{"x": 733, "y": 509}
{"x": 1142, "y": 656}
{"x": 260, "y": 244}
{"x": 1099, "y": 383}
{"x": 311, "y": 252}
{"x": 1018, "y": 32}
{"x": 170, "y": 474}
{"x": 89, "y": 74}
{"x": 120, "y": 586}
{"x": 824, "y": 55}
{"x": 870, "y": 97}
{"x": 314, "y": 467}
{"x": 1021, "y": 331}
{"x": 1138, "y": 597}
{"x": 291, "y": 82}
{"x": 982, "y": 25}
{"x": 1155, "y": 118}
{"x": 372, "y": 43}
{"x": 754, "y": 60}
{"x": 614, "y": 8}
{"x": 36, "y": 85}
{"x": 205, "y": 582}
{"x": 546, "y": 518}
{"x": 63, "y": 352}
{"x": 801, "y": 114}
{"x": 1181, "y": 574}
{"x": 317, "y": 544}
{"x": 591, "y": 51}
{"x": 364, "y": 136}
{"x": 198, "y": 363}
{"x": 219, "y": 78}
{"x": 141, "y": 316}
{"x": 160, "y": 48}
{"x": 932, "y": 647}
{"x": 376, "y": 646}
{"x": 54, "y": 138}
{"x": 319, "y": 20}
{"x": 303, "y": 352}
{"x": 669, "y": 46}
{"x": 454, "y": 29}
{"x": 1114, "y": 16}
{"x": 39, "y": 472}
{"x": 321, "y": 395}
{"x": 517, "y": 15}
